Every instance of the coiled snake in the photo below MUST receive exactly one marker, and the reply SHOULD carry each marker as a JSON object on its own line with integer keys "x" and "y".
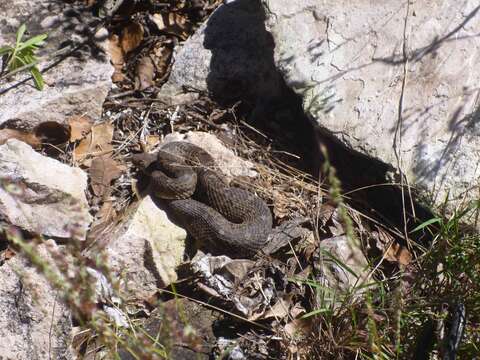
{"x": 232, "y": 220}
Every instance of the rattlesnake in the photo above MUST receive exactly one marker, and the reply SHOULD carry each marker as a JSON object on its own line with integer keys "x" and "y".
{"x": 186, "y": 177}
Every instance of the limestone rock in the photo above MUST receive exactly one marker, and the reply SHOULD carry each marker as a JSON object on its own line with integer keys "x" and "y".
{"x": 357, "y": 63}
{"x": 230, "y": 164}
{"x": 145, "y": 249}
{"x": 230, "y": 56}
{"x": 40, "y": 194}
{"x": 34, "y": 322}
{"x": 76, "y": 85}
{"x": 346, "y": 60}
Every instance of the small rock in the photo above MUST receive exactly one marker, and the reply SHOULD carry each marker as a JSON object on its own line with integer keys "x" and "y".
{"x": 34, "y": 322}
{"x": 145, "y": 249}
{"x": 40, "y": 194}
{"x": 226, "y": 160}
{"x": 336, "y": 274}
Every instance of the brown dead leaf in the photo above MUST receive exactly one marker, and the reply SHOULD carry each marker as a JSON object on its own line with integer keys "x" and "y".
{"x": 162, "y": 56}
{"x": 107, "y": 212}
{"x": 102, "y": 171}
{"x": 9, "y": 253}
{"x": 393, "y": 251}
{"x": 144, "y": 73}
{"x": 104, "y": 223}
{"x": 297, "y": 310}
{"x": 116, "y": 57}
{"x": 298, "y": 327}
{"x": 400, "y": 254}
{"x": 280, "y": 204}
{"x": 26, "y": 137}
{"x": 278, "y": 311}
{"x": 132, "y": 36}
{"x": 79, "y": 127}
{"x": 151, "y": 142}
{"x": 6, "y": 254}
{"x": 97, "y": 142}
{"x": 173, "y": 23}
{"x": 236, "y": 269}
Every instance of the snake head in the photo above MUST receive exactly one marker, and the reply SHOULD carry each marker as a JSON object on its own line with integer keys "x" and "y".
{"x": 143, "y": 160}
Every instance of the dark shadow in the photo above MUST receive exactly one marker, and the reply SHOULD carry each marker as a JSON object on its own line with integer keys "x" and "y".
{"x": 242, "y": 68}
{"x": 242, "y": 65}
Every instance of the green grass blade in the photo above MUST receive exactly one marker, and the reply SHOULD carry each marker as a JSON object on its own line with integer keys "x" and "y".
{"x": 20, "y": 32}
{"x": 34, "y": 41}
{"x": 16, "y": 62}
{"x": 37, "y": 77}
{"x": 5, "y": 49}
{"x": 316, "y": 312}
{"x": 427, "y": 223}
{"x": 339, "y": 262}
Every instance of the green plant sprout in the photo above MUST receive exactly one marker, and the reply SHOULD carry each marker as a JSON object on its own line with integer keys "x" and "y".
{"x": 22, "y": 55}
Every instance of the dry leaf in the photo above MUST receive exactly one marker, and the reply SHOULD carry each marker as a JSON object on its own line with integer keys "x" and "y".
{"x": 400, "y": 254}
{"x": 8, "y": 253}
{"x": 236, "y": 269}
{"x": 144, "y": 73}
{"x": 280, "y": 204}
{"x": 297, "y": 310}
{"x": 116, "y": 57}
{"x": 151, "y": 142}
{"x": 172, "y": 23}
{"x": 79, "y": 127}
{"x": 104, "y": 223}
{"x": 162, "y": 56}
{"x": 132, "y": 36}
{"x": 298, "y": 327}
{"x": 107, "y": 212}
{"x": 98, "y": 142}
{"x": 26, "y": 137}
{"x": 393, "y": 251}
{"x": 278, "y": 311}
{"x": 102, "y": 171}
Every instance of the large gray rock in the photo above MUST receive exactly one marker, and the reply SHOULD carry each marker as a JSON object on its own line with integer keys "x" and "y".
{"x": 75, "y": 83}
{"x": 34, "y": 321}
{"x": 416, "y": 112}
{"x": 396, "y": 81}
{"x": 40, "y": 194}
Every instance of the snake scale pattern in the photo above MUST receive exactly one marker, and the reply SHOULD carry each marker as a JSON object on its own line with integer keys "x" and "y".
{"x": 232, "y": 220}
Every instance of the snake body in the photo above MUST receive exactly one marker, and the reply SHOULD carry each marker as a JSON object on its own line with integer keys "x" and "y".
{"x": 233, "y": 220}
